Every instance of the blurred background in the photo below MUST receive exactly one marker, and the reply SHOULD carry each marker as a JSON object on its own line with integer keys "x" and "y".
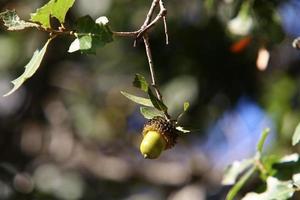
{"x": 69, "y": 134}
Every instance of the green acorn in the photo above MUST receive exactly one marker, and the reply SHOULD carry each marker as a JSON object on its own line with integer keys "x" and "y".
{"x": 159, "y": 134}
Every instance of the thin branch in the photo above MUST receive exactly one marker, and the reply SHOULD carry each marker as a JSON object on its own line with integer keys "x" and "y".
{"x": 162, "y": 13}
{"x": 166, "y": 29}
{"x": 150, "y": 62}
{"x": 143, "y": 33}
{"x": 162, "y": 7}
{"x": 59, "y": 31}
{"x": 152, "y": 72}
{"x": 150, "y": 13}
{"x": 126, "y": 34}
{"x": 148, "y": 23}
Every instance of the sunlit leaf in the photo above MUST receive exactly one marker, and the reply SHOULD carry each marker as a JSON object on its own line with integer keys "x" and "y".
{"x": 242, "y": 24}
{"x": 296, "y": 136}
{"x": 90, "y": 34}
{"x": 140, "y": 82}
{"x": 13, "y": 22}
{"x": 235, "y": 170}
{"x": 276, "y": 189}
{"x": 186, "y": 106}
{"x": 30, "y": 68}
{"x": 158, "y": 104}
{"x": 54, "y": 8}
{"x": 149, "y": 113}
{"x": 287, "y": 166}
{"x": 296, "y": 180}
{"x": 138, "y": 100}
{"x": 236, "y": 188}
{"x": 289, "y": 158}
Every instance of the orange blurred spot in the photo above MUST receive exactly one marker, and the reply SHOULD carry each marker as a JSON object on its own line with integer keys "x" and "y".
{"x": 240, "y": 45}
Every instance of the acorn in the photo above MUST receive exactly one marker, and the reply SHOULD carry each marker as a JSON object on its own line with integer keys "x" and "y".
{"x": 158, "y": 134}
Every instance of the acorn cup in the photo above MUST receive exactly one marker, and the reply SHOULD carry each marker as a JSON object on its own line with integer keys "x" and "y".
{"x": 158, "y": 134}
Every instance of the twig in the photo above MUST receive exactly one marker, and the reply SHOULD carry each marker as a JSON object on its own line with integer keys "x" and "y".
{"x": 150, "y": 62}
{"x": 162, "y": 13}
{"x": 126, "y": 34}
{"x": 142, "y": 32}
{"x": 56, "y": 32}
{"x": 148, "y": 23}
{"x": 150, "y": 13}
{"x": 152, "y": 73}
{"x": 162, "y": 7}
{"x": 166, "y": 30}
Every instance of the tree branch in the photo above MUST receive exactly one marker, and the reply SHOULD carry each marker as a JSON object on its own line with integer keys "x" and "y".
{"x": 143, "y": 33}
{"x": 148, "y": 24}
{"x": 162, "y": 14}
{"x": 126, "y": 34}
{"x": 150, "y": 13}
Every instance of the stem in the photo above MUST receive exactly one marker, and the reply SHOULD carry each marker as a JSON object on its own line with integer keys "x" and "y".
{"x": 141, "y": 33}
{"x": 164, "y": 16}
{"x": 259, "y": 164}
{"x": 236, "y": 188}
{"x": 147, "y": 24}
{"x": 166, "y": 29}
{"x": 152, "y": 73}
{"x": 261, "y": 167}
{"x": 151, "y": 67}
{"x": 56, "y": 32}
{"x": 126, "y": 34}
{"x": 150, "y": 13}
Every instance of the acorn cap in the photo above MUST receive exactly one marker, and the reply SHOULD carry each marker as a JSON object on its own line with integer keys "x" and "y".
{"x": 163, "y": 127}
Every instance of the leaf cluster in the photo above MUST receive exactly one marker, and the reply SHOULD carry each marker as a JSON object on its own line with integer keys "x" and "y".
{"x": 89, "y": 34}
{"x": 152, "y": 106}
{"x": 281, "y": 175}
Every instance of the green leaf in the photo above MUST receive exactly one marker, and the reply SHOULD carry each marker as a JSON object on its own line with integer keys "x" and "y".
{"x": 149, "y": 113}
{"x": 139, "y": 100}
{"x": 276, "y": 189}
{"x": 30, "y": 68}
{"x": 13, "y": 22}
{"x": 234, "y": 170}
{"x": 186, "y": 106}
{"x": 91, "y": 34}
{"x": 287, "y": 166}
{"x": 54, "y": 8}
{"x": 296, "y": 136}
{"x": 290, "y": 158}
{"x": 236, "y": 188}
{"x": 158, "y": 104}
{"x": 262, "y": 140}
{"x": 140, "y": 82}
{"x": 296, "y": 180}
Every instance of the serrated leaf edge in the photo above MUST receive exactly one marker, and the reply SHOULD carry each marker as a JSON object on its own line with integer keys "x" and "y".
{"x": 29, "y": 72}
